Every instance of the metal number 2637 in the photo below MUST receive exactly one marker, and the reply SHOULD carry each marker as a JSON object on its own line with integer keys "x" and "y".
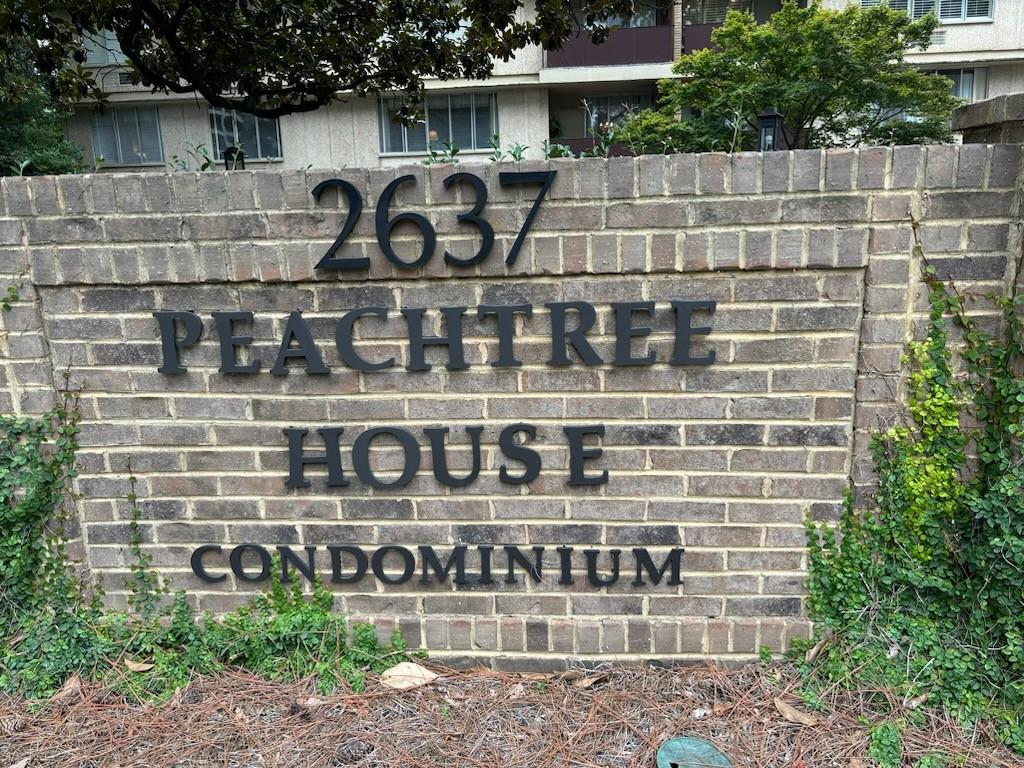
{"x": 384, "y": 225}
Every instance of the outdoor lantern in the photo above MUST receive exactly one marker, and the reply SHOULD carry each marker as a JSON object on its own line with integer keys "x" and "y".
{"x": 769, "y": 129}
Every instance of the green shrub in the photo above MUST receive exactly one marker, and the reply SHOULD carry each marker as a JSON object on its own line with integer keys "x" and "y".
{"x": 923, "y": 590}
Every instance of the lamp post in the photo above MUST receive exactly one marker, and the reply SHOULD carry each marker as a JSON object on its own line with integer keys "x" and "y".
{"x": 769, "y": 131}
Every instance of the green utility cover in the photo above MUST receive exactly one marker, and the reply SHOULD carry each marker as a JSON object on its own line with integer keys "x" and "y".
{"x": 687, "y": 752}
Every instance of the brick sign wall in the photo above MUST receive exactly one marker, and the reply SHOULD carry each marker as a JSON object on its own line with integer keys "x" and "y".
{"x": 610, "y": 493}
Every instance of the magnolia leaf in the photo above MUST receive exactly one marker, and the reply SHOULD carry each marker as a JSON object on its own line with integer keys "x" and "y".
{"x": 23, "y": 763}
{"x": 916, "y": 702}
{"x": 813, "y": 651}
{"x": 588, "y": 682}
{"x": 794, "y": 715}
{"x": 406, "y": 675}
{"x": 71, "y": 687}
{"x": 137, "y": 666}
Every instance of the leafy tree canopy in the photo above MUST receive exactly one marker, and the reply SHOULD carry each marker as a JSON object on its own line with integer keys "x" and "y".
{"x": 32, "y": 137}
{"x": 275, "y": 57}
{"x": 838, "y": 78}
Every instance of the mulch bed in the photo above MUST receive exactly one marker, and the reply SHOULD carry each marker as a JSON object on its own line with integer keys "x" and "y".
{"x": 613, "y": 717}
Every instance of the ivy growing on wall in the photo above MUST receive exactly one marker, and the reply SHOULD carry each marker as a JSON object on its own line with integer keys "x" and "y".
{"x": 54, "y": 630}
{"x": 923, "y": 593}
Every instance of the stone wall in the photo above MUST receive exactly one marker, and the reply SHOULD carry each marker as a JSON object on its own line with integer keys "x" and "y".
{"x": 999, "y": 119}
{"x": 806, "y": 254}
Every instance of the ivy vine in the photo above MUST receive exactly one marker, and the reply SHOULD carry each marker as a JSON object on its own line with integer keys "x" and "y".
{"x": 922, "y": 594}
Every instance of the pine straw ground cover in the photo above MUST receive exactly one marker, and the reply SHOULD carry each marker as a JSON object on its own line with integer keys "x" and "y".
{"x": 612, "y": 717}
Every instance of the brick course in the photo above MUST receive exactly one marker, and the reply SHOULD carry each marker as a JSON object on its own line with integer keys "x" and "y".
{"x": 807, "y": 254}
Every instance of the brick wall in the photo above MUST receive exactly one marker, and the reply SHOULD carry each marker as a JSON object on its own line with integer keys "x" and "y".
{"x": 807, "y": 254}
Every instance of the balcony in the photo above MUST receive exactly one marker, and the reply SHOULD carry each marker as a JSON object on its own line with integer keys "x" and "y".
{"x": 702, "y": 17}
{"x": 645, "y": 38}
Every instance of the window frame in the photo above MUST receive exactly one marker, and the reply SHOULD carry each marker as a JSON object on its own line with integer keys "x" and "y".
{"x": 936, "y": 9}
{"x": 607, "y": 101}
{"x": 117, "y": 137}
{"x": 383, "y": 118}
{"x": 975, "y": 78}
{"x": 218, "y": 156}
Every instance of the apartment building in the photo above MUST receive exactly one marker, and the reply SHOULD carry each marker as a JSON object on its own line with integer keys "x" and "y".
{"x": 562, "y": 96}
{"x": 979, "y": 44}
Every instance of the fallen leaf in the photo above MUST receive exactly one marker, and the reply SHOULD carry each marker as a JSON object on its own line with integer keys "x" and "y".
{"x": 569, "y": 675}
{"x": 311, "y": 702}
{"x": 588, "y": 682}
{"x": 857, "y": 763}
{"x": 813, "y": 651}
{"x": 23, "y": 763}
{"x": 406, "y": 675}
{"x": 917, "y": 701}
{"x": 72, "y": 686}
{"x": 793, "y": 714}
{"x": 721, "y": 709}
{"x": 16, "y": 638}
{"x": 700, "y": 713}
{"x": 516, "y": 691}
{"x": 137, "y": 666}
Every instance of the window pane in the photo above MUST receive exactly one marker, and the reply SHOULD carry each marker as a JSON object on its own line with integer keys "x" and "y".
{"x": 951, "y": 9}
{"x": 270, "y": 139}
{"x": 416, "y": 136}
{"x": 222, "y": 128}
{"x": 979, "y": 9}
{"x": 149, "y": 135}
{"x": 967, "y": 85}
{"x": 245, "y": 132}
{"x": 390, "y": 126}
{"x": 899, "y": 5}
{"x": 462, "y": 121}
{"x": 128, "y": 134}
{"x": 922, "y": 7}
{"x": 104, "y": 137}
{"x": 485, "y": 123}
{"x": 437, "y": 120}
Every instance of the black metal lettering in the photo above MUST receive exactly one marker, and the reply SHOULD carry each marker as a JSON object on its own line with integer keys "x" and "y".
{"x": 170, "y": 344}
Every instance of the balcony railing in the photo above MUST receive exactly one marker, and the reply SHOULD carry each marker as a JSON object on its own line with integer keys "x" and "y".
{"x": 697, "y": 36}
{"x": 639, "y": 45}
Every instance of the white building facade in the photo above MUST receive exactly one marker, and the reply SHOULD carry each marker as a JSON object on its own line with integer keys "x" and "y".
{"x": 560, "y": 97}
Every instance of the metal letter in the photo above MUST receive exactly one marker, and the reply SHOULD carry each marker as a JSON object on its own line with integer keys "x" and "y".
{"x": 417, "y": 341}
{"x": 361, "y": 457}
{"x": 685, "y": 332}
{"x": 626, "y": 331}
{"x": 576, "y": 337}
{"x": 530, "y": 458}
{"x": 343, "y": 339}
{"x": 229, "y": 343}
{"x": 297, "y": 329}
{"x": 578, "y": 455}
{"x": 170, "y": 344}
{"x": 506, "y": 329}
{"x": 297, "y": 460}
{"x": 439, "y": 457}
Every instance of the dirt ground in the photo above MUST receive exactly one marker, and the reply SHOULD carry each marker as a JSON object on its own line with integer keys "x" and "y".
{"x": 615, "y": 717}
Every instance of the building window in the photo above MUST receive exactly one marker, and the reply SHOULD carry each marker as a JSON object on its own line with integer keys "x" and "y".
{"x": 969, "y": 84}
{"x": 127, "y": 136}
{"x": 652, "y": 13}
{"x": 258, "y": 137}
{"x": 467, "y": 121}
{"x": 711, "y": 11}
{"x": 602, "y": 112}
{"x": 102, "y": 49}
{"x": 946, "y": 10}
